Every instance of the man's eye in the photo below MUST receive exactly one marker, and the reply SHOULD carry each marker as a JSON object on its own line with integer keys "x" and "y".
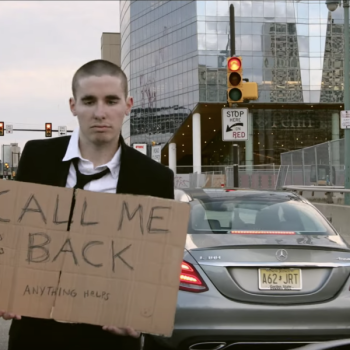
{"x": 112, "y": 102}
{"x": 88, "y": 103}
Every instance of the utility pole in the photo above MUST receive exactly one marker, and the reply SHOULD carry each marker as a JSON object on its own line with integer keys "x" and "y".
{"x": 346, "y": 100}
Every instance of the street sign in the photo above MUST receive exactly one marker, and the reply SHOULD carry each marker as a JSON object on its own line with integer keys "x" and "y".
{"x": 156, "y": 153}
{"x": 9, "y": 129}
{"x": 62, "y": 130}
{"x": 142, "y": 147}
{"x": 234, "y": 124}
{"x": 345, "y": 119}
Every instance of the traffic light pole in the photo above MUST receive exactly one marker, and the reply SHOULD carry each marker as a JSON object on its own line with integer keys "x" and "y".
{"x": 232, "y": 30}
{"x": 39, "y": 130}
{"x": 346, "y": 99}
{"x": 235, "y": 147}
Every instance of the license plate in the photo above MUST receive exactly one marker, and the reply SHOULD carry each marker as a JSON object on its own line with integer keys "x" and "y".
{"x": 280, "y": 279}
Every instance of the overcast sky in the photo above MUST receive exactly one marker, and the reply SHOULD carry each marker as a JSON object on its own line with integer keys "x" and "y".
{"x": 42, "y": 44}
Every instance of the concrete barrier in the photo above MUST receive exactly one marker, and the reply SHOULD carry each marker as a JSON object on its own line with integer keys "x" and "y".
{"x": 339, "y": 216}
{"x": 321, "y": 197}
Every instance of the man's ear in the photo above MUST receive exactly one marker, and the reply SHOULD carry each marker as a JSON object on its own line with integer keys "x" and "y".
{"x": 129, "y": 104}
{"x": 72, "y": 106}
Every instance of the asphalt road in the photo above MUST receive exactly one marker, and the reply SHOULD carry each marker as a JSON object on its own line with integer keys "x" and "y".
{"x": 4, "y": 328}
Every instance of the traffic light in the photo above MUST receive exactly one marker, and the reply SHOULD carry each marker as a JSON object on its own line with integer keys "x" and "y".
{"x": 234, "y": 79}
{"x": 48, "y": 129}
{"x": 2, "y": 128}
{"x": 237, "y": 89}
{"x": 7, "y": 165}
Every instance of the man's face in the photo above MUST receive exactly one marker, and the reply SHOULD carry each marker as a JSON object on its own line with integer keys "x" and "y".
{"x": 100, "y": 106}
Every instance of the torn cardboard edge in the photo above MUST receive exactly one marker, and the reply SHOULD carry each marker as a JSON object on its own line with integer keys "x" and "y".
{"x": 101, "y": 227}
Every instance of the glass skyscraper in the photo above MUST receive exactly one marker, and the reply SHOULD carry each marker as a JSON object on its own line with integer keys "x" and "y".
{"x": 174, "y": 54}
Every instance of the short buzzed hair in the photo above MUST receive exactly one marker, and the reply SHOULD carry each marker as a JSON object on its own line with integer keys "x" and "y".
{"x": 98, "y": 68}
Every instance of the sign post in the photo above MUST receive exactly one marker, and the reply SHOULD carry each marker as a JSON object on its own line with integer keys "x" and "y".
{"x": 234, "y": 124}
{"x": 235, "y": 166}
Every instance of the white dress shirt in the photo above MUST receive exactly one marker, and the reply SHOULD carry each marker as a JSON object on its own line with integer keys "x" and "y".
{"x": 107, "y": 183}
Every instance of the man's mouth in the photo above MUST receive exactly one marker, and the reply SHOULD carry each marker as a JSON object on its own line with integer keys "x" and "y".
{"x": 100, "y": 127}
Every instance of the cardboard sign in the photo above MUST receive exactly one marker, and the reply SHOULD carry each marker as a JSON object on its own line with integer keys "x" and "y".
{"x": 119, "y": 263}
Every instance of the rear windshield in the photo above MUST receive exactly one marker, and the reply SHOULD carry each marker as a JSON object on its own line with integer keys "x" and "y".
{"x": 232, "y": 216}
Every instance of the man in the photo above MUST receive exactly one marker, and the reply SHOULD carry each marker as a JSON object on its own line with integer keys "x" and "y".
{"x": 100, "y": 102}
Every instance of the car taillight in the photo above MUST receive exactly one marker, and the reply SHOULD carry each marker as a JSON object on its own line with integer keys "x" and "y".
{"x": 190, "y": 280}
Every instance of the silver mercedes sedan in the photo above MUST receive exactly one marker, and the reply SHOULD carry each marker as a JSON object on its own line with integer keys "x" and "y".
{"x": 261, "y": 270}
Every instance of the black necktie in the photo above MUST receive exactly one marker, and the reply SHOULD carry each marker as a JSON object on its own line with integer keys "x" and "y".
{"x": 83, "y": 179}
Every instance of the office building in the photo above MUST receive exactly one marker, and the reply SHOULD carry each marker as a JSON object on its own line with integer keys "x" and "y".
{"x": 174, "y": 53}
{"x": 110, "y": 47}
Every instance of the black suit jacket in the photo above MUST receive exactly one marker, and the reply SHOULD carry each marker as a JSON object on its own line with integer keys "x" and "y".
{"x": 41, "y": 163}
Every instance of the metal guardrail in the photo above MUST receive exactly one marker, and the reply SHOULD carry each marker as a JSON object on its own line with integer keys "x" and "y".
{"x": 328, "y": 190}
{"x": 336, "y": 189}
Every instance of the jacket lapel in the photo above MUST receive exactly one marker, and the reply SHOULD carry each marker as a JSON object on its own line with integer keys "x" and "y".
{"x": 125, "y": 172}
{"x": 62, "y": 174}
{"x": 59, "y": 173}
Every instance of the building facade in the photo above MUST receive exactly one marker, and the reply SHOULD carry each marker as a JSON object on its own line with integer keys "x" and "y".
{"x": 110, "y": 48}
{"x": 174, "y": 54}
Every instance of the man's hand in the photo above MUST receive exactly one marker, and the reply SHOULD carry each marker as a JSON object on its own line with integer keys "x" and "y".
{"x": 128, "y": 332}
{"x": 8, "y": 316}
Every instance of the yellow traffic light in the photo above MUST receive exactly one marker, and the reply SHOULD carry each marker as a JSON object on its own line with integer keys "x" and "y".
{"x": 237, "y": 89}
{"x": 2, "y": 128}
{"x": 234, "y": 80}
{"x": 7, "y": 165}
{"x": 48, "y": 129}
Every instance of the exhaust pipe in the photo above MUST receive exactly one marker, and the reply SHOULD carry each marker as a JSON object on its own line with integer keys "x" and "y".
{"x": 208, "y": 346}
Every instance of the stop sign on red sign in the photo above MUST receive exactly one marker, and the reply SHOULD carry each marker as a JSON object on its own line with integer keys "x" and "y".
{"x": 234, "y": 124}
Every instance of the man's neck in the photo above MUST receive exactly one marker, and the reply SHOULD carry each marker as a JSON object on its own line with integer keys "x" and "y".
{"x": 98, "y": 155}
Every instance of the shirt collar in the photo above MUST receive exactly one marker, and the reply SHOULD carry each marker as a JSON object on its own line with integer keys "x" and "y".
{"x": 73, "y": 151}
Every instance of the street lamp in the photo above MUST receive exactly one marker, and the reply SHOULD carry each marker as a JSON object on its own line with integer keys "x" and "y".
{"x": 332, "y": 6}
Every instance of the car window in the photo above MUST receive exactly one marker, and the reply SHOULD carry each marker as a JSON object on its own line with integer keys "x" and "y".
{"x": 227, "y": 215}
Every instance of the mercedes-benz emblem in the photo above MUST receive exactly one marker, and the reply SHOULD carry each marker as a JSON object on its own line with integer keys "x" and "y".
{"x": 281, "y": 255}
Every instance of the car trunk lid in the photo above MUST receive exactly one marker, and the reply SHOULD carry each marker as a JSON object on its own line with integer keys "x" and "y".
{"x": 253, "y": 268}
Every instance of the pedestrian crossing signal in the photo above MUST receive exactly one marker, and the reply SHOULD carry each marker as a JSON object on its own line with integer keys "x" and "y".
{"x": 48, "y": 130}
{"x": 2, "y": 128}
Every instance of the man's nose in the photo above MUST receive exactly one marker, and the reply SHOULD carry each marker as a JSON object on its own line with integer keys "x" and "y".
{"x": 100, "y": 110}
